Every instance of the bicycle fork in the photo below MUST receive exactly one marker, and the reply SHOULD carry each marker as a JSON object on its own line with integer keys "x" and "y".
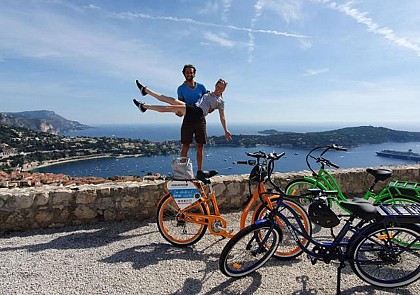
{"x": 261, "y": 248}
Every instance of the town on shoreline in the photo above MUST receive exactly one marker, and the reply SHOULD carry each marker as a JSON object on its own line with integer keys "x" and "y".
{"x": 24, "y": 149}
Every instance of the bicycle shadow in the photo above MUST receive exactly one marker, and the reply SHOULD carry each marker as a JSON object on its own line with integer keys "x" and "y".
{"x": 145, "y": 255}
{"x": 80, "y": 237}
{"x": 152, "y": 254}
{"x": 194, "y": 286}
{"x": 362, "y": 290}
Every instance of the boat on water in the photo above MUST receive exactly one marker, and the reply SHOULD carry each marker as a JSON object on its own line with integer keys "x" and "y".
{"x": 408, "y": 155}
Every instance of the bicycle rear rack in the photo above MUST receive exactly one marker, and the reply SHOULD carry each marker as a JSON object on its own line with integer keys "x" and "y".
{"x": 407, "y": 188}
{"x": 400, "y": 212}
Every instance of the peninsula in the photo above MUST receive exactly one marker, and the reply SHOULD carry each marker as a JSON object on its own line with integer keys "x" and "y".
{"x": 28, "y": 149}
{"x": 348, "y": 137}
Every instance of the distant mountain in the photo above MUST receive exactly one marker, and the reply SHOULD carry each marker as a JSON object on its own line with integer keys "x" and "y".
{"x": 44, "y": 121}
{"x": 348, "y": 137}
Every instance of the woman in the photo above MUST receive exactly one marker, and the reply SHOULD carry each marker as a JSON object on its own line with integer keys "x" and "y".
{"x": 207, "y": 104}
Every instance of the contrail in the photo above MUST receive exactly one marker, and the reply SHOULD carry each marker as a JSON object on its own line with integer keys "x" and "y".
{"x": 130, "y": 15}
{"x": 373, "y": 27}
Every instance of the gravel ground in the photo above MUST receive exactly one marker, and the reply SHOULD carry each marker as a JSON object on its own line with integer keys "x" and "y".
{"x": 132, "y": 258}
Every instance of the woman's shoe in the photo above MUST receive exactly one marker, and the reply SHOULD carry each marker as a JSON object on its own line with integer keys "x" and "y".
{"x": 139, "y": 105}
{"x": 141, "y": 88}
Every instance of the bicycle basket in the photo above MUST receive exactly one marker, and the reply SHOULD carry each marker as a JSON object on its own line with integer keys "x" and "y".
{"x": 258, "y": 173}
{"x": 322, "y": 215}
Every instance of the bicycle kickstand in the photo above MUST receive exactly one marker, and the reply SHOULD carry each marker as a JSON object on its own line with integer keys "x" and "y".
{"x": 340, "y": 267}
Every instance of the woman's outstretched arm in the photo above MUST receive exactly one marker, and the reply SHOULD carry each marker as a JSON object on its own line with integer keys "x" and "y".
{"x": 223, "y": 121}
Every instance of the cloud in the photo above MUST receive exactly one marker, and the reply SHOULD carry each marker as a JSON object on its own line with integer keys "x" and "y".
{"x": 313, "y": 72}
{"x": 289, "y": 10}
{"x": 251, "y": 39}
{"x": 130, "y": 15}
{"x": 373, "y": 27}
{"x": 226, "y": 9}
{"x": 219, "y": 40}
{"x": 57, "y": 39}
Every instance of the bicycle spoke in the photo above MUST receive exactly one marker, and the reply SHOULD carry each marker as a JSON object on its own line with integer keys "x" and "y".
{"x": 248, "y": 250}
{"x": 388, "y": 258}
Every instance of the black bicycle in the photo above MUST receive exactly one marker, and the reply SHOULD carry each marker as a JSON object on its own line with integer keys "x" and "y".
{"x": 383, "y": 248}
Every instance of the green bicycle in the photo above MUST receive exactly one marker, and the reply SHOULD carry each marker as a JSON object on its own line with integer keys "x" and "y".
{"x": 396, "y": 192}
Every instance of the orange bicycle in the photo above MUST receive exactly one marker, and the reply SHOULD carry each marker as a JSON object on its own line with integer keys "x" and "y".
{"x": 184, "y": 212}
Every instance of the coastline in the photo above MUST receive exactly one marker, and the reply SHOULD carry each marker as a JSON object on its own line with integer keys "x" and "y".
{"x": 31, "y": 167}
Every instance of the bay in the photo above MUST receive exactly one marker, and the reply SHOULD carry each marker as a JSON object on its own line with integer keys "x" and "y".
{"x": 222, "y": 159}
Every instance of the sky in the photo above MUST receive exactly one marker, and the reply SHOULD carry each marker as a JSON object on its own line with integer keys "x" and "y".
{"x": 290, "y": 61}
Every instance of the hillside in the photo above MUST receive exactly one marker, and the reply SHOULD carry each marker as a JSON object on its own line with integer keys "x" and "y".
{"x": 43, "y": 121}
{"x": 25, "y": 148}
{"x": 348, "y": 137}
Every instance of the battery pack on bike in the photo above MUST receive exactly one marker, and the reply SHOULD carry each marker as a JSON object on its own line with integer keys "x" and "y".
{"x": 400, "y": 212}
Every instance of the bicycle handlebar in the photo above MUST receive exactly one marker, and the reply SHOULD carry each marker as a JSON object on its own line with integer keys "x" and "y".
{"x": 321, "y": 159}
{"x": 271, "y": 156}
{"x": 324, "y": 161}
{"x": 333, "y": 165}
{"x": 248, "y": 162}
{"x": 257, "y": 155}
{"x": 275, "y": 156}
{"x": 268, "y": 162}
{"x": 338, "y": 147}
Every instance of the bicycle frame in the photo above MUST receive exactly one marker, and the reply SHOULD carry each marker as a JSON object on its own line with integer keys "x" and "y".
{"x": 296, "y": 232}
{"x": 379, "y": 235}
{"x": 324, "y": 180}
{"x": 187, "y": 210}
{"x": 210, "y": 218}
{"x": 338, "y": 248}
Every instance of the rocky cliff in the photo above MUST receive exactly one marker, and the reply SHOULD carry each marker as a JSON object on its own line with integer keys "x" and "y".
{"x": 44, "y": 121}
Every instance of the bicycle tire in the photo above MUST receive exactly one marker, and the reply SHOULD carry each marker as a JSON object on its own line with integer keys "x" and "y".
{"x": 173, "y": 228}
{"x": 299, "y": 188}
{"x": 397, "y": 200}
{"x": 380, "y": 258}
{"x": 245, "y": 252}
{"x": 288, "y": 248}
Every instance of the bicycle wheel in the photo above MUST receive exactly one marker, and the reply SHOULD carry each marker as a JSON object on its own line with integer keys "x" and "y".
{"x": 389, "y": 257}
{"x": 288, "y": 248}
{"x": 397, "y": 200}
{"x": 249, "y": 249}
{"x": 299, "y": 188}
{"x": 174, "y": 228}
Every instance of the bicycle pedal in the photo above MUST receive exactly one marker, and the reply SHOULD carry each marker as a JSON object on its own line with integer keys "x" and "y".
{"x": 313, "y": 260}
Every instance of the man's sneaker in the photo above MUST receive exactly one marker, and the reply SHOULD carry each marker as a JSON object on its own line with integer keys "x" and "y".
{"x": 139, "y": 105}
{"x": 141, "y": 88}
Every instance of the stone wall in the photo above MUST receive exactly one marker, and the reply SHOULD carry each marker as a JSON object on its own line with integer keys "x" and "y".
{"x": 52, "y": 207}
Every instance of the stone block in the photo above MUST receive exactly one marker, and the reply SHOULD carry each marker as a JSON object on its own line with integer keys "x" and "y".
{"x": 84, "y": 212}
{"x": 85, "y": 197}
{"x": 62, "y": 197}
{"x": 41, "y": 199}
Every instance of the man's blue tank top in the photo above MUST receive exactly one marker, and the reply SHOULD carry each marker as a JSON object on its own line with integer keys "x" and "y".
{"x": 191, "y": 95}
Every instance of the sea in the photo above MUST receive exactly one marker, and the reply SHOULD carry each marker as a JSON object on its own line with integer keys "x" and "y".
{"x": 223, "y": 159}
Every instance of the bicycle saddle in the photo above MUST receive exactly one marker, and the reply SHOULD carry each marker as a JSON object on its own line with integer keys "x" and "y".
{"x": 364, "y": 210}
{"x": 380, "y": 174}
{"x": 205, "y": 176}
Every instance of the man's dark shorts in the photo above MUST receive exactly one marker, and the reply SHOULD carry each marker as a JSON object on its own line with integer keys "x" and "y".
{"x": 194, "y": 124}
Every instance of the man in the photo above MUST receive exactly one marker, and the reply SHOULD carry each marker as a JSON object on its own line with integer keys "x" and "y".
{"x": 190, "y": 92}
